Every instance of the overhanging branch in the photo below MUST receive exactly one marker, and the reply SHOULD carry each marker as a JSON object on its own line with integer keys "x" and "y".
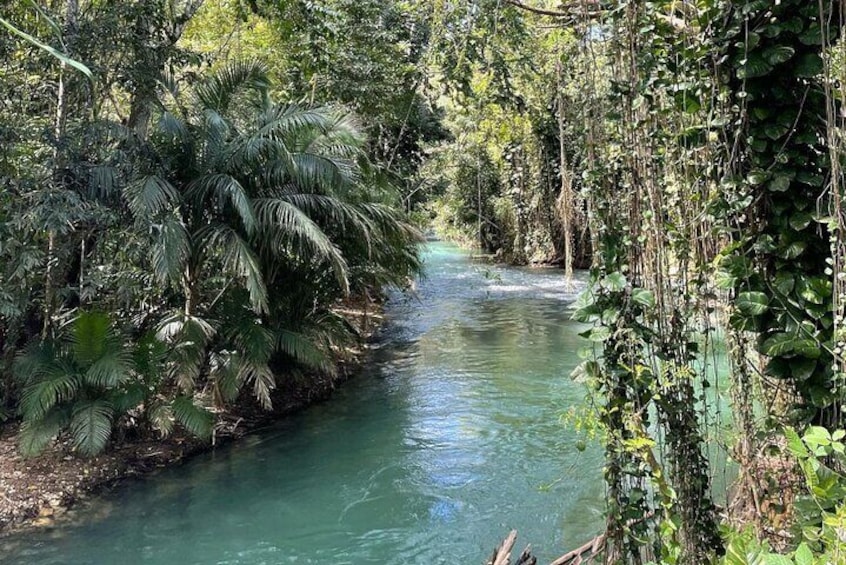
{"x": 588, "y": 7}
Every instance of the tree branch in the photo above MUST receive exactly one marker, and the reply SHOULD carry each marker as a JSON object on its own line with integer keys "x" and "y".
{"x": 570, "y": 11}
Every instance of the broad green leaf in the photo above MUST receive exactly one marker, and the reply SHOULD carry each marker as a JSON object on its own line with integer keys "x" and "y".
{"x": 757, "y": 177}
{"x": 752, "y": 303}
{"x": 800, "y": 220}
{"x": 802, "y": 368}
{"x": 784, "y": 282}
{"x": 598, "y": 334}
{"x": 778, "y": 344}
{"x": 803, "y": 555}
{"x": 794, "y": 249}
{"x": 808, "y": 347}
{"x": 643, "y": 297}
{"x": 724, "y": 280}
{"x": 778, "y": 367}
{"x": 586, "y": 371}
{"x": 808, "y": 65}
{"x": 754, "y": 66}
{"x": 795, "y": 444}
{"x": 780, "y": 183}
{"x": 614, "y": 282}
{"x": 778, "y": 54}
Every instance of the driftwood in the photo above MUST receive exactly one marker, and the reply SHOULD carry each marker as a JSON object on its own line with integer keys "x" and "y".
{"x": 582, "y": 555}
{"x": 502, "y": 554}
{"x": 591, "y": 549}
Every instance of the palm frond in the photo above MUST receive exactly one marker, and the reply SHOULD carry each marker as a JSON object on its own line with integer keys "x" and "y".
{"x": 37, "y": 360}
{"x": 224, "y": 374}
{"x": 213, "y": 138}
{"x": 91, "y": 337}
{"x": 194, "y": 418}
{"x": 238, "y": 256}
{"x": 91, "y": 425}
{"x": 247, "y": 151}
{"x": 285, "y": 121}
{"x": 188, "y": 337}
{"x": 335, "y": 212}
{"x": 176, "y": 326}
{"x": 53, "y": 381}
{"x": 325, "y": 171}
{"x": 161, "y": 418}
{"x": 128, "y": 398}
{"x": 36, "y": 435}
{"x": 304, "y": 351}
{"x": 149, "y": 356}
{"x": 226, "y": 189}
{"x": 171, "y": 250}
{"x": 172, "y": 127}
{"x": 260, "y": 375}
{"x": 287, "y": 222}
{"x": 43, "y": 395}
{"x": 111, "y": 369}
{"x": 253, "y": 340}
{"x": 102, "y": 181}
{"x": 219, "y": 90}
{"x": 149, "y": 196}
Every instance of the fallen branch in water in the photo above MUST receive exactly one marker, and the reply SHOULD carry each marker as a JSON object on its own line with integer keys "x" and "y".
{"x": 575, "y": 557}
{"x": 590, "y": 550}
{"x": 502, "y": 554}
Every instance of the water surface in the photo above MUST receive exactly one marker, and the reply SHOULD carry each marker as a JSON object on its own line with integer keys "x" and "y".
{"x": 450, "y": 437}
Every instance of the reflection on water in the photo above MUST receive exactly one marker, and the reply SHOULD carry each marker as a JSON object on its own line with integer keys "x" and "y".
{"x": 450, "y": 438}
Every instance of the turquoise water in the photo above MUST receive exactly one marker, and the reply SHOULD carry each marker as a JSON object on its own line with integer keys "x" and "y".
{"x": 449, "y": 438}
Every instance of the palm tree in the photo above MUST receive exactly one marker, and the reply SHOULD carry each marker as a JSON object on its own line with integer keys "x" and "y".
{"x": 87, "y": 378}
{"x": 75, "y": 381}
{"x": 238, "y": 193}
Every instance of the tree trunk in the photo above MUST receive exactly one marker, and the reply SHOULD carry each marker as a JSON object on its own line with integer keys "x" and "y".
{"x": 565, "y": 197}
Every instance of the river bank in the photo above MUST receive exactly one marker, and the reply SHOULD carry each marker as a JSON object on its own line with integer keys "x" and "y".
{"x": 38, "y": 491}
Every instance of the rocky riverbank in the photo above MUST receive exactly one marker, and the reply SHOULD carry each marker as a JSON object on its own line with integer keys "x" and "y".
{"x": 37, "y": 491}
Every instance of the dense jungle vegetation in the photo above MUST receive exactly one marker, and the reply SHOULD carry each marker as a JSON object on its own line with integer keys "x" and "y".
{"x": 191, "y": 189}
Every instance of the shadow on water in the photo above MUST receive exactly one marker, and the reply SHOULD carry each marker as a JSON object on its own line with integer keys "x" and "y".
{"x": 451, "y": 437}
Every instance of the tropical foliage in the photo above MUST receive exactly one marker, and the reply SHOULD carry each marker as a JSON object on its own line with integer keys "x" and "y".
{"x": 164, "y": 254}
{"x": 191, "y": 188}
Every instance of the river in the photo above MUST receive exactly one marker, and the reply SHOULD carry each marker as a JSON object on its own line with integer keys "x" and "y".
{"x": 451, "y": 436}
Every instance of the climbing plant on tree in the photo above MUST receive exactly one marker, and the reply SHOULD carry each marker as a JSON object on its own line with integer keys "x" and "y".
{"x": 779, "y": 268}
{"x": 652, "y": 242}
